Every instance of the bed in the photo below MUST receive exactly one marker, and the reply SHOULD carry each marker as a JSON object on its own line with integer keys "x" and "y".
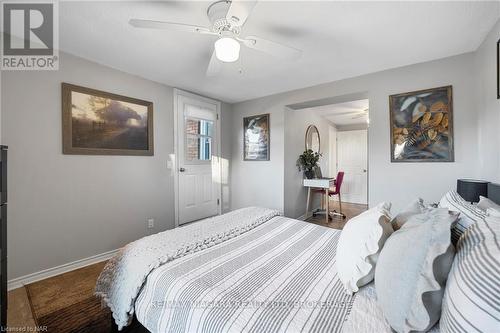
{"x": 278, "y": 275}
{"x": 250, "y": 270}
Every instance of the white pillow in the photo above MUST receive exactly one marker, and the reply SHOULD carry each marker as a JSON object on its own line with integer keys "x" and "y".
{"x": 415, "y": 207}
{"x": 493, "y": 212}
{"x": 359, "y": 245}
{"x": 485, "y": 203}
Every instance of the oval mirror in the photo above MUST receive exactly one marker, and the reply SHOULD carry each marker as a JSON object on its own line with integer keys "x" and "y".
{"x": 312, "y": 138}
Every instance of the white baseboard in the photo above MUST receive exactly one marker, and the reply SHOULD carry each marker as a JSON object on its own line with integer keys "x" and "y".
{"x": 303, "y": 216}
{"x": 46, "y": 273}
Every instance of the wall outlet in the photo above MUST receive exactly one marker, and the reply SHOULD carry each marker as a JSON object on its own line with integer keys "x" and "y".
{"x": 151, "y": 223}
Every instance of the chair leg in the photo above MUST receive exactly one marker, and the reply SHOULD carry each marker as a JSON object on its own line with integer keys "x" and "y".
{"x": 327, "y": 206}
{"x": 340, "y": 204}
{"x": 340, "y": 207}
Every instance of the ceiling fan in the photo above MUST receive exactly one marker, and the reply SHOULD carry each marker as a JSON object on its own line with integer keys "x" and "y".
{"x": 227, "y": 18}
{"x": 360, "y": 114}
{"x": 355, "y": 114}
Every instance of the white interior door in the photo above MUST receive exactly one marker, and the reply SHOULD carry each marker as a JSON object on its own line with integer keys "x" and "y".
{"x": 352, "y": 155}
{"x": 198, "y": 151}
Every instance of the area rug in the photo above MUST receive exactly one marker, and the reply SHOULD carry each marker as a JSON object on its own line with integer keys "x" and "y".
{"x": 65, "y": 303}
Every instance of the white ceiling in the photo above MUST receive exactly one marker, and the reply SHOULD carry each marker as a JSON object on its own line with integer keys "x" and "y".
{"x": 342, "y": 114}
{"x": 339, "y": 39}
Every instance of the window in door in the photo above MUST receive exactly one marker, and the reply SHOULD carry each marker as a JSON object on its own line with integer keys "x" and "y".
{"x": 199, "y": 134}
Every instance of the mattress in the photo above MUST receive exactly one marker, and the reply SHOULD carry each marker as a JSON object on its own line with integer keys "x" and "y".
{"x": 278, "y": 277}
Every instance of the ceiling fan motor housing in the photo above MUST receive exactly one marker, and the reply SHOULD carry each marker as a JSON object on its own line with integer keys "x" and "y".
{"x": 216, "y": 13}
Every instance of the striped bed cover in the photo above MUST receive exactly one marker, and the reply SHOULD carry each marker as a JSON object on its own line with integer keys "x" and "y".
{"x": 278, "y": 277}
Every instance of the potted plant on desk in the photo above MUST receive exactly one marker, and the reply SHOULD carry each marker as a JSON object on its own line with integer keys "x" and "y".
{"x": 307, "y": 162}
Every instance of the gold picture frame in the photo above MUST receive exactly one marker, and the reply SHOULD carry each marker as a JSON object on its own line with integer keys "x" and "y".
{"x": 96, "y": 122}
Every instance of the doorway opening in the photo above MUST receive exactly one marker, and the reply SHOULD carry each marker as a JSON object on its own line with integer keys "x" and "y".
{"x": 343, "y": 125}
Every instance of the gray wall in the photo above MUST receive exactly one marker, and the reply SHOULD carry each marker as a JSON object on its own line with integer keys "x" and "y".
{"x": 296, "y": 123}
{"x": 488, "y": 107}
{"x": 67, "y": 207}
{"x": 257, "y": 183}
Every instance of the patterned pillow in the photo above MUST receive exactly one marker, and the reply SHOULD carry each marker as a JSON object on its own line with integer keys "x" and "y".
{"x": 469, "y": 214}
{"x": 472, "y": 298}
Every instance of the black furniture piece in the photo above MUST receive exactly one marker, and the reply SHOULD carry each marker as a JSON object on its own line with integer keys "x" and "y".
{"x": 471, "y": 189}
{"x": 3, "y": 238}
{"x": 494, "y": 192}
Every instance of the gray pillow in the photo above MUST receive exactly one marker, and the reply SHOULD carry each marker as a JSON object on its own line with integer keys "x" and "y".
{"x": 415, "y": 207}
{"x": 412, "y": 269}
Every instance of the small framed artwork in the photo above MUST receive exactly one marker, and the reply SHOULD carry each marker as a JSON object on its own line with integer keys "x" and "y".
{"x": 256, "y": 138}
{"x": 498, "y": 69}
{"x": 101, "y": 123}
{"x": 422, "y": 126}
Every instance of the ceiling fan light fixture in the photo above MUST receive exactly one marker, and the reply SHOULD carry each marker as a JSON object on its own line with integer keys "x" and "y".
{"x": 227, "y": 49}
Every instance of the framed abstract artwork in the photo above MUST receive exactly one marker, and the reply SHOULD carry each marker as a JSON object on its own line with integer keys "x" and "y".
{"x": 421, "y": 125}
{"x": 101, "y": 123}
{"x": 256, "y": 138}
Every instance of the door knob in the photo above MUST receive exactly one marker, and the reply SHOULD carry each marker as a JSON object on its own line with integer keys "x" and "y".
{"x": 182, "y": 169}
{"x": 364, "y": 170}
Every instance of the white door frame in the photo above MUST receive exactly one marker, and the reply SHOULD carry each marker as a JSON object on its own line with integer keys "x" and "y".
{"x": 177, "y": 93}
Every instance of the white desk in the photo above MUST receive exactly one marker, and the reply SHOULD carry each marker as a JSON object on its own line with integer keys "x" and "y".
{"x": 319, "y": 183}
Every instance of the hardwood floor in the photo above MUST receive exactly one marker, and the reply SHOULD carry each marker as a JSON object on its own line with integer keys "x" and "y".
{"x": 19, "y": 314}
{"x": 58, "y": 303}
{"x": 349, "y": 209}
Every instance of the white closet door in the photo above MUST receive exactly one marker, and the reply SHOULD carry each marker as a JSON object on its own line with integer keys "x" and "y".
{"x": 352, "y": 154}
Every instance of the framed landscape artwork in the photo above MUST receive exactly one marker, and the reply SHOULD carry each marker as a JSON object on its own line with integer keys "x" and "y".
{"x": 256, "y": 138}
{"x": 422, "y": 126}
{"x": 101, "y": 123}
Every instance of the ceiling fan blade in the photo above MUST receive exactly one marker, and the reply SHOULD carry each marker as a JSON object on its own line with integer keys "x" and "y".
{"x": 359, "y": 116}
{"x": 239, "y": 11}
{"x": 214, "y": 66}
{"x": 346, "y": 113}
{"x": 272, "y": 48}
{"x": 149, "y": 24}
